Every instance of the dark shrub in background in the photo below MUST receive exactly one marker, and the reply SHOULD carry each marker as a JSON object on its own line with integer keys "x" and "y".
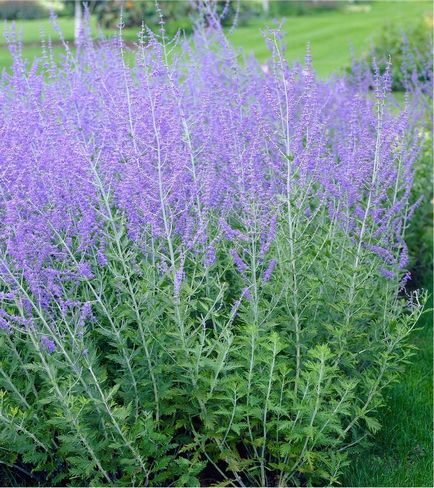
{"x": 177, "y": 15}
{"x": 179, "y": 12}
{"x": 23, "y": 9}
{"x": 300, "y": 7}
{"x": 136, "y": 12}
{"x": 409, "y": 50}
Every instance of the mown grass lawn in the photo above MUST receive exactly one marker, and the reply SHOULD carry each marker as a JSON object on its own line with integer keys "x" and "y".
{"x": 331, "y": 34}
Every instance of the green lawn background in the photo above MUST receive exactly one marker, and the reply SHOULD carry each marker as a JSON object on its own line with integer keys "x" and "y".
{"x": 330, "y": 33}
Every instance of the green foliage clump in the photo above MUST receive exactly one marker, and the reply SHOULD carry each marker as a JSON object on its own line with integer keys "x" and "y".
{"x": 21, "y": 10}
{"x": 303, "y": 7}
{"x": 177, "y": 15}
{"x": 156, "y": 389}
{"x": 420, "y": 235}
{"x": 410, "y": 52}
{"x": 108, "y": 12}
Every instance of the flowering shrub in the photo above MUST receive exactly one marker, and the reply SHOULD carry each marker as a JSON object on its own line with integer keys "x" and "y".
{"x": 202, "y": 264}
{"x": 412, "y": 69}
{"x": 410, "y": 51}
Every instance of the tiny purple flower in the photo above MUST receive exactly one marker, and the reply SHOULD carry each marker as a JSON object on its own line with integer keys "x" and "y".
{"x": 239, "y": 263}
{"x": 85, "y": 271}
{"x": 48, "y": 344}
{"x": 269, "y": 271}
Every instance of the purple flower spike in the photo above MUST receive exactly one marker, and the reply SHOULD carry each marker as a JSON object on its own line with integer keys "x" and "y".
{"x": 269, "y": 271}
{"x": 48, "y": 344}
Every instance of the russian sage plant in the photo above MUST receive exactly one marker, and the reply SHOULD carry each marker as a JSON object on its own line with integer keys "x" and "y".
{"x": 203, "y": 263}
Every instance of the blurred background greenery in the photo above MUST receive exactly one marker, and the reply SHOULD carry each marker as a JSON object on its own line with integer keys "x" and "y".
{"x": 333, "y": 27}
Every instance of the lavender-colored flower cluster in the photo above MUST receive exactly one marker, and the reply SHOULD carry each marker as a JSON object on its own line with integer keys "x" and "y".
{"x": 174, "y": 144}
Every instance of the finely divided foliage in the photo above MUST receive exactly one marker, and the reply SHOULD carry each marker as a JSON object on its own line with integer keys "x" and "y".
{"x": 202, "y": 263}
